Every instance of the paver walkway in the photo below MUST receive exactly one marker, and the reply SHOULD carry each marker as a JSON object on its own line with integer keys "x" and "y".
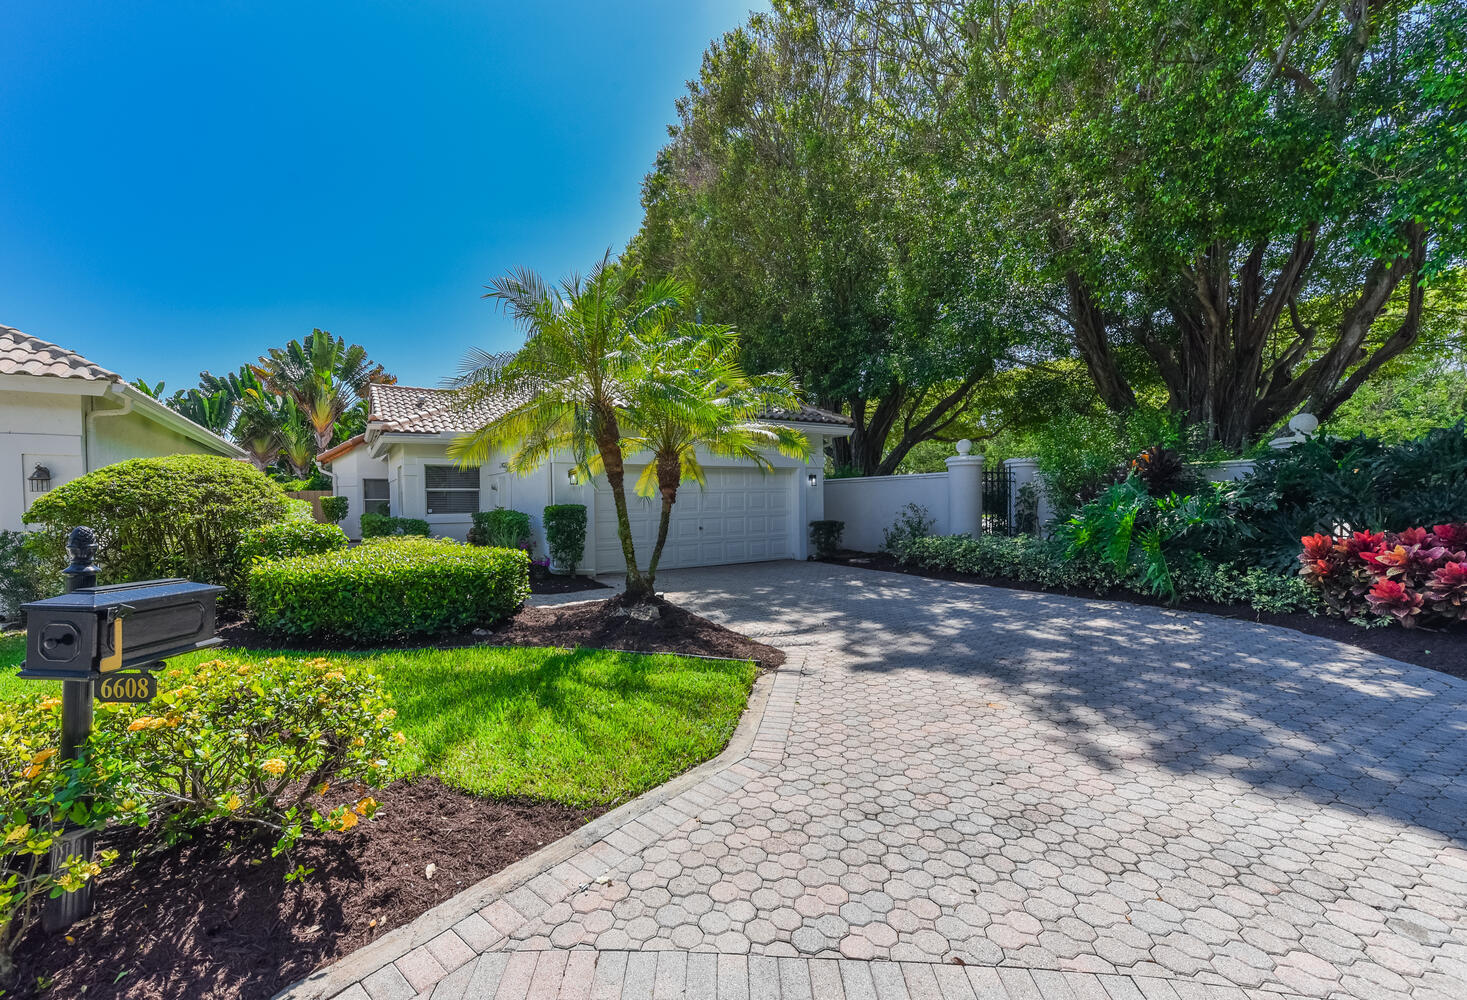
{"x": 960, "y": 791}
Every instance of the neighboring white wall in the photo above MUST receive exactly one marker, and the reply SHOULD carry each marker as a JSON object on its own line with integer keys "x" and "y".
{"x": 1230, "y": 471}
{"x": 116, "y": 438}
{"x": 36, "y": 427}
{"x": 868, "y": 505}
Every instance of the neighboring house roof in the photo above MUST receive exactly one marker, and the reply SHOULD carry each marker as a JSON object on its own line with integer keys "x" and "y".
{"x": 410, "y": 409}
{"x": 22, "y": 354}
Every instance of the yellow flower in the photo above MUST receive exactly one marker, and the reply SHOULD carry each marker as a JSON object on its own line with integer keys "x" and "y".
{"x": 274, "y": 767}
{"x": 17, "y": 834}
{"x": 43, "y": 756}
{"x": 321, "y": 788}
{"x": 365, "y": 807}
{"x": 335, "y": 675}
{"x": 49, "y": 703}
{"x": 233, "y": 803}
{"x": 141, "y": 722}
{"x": 347, "y": 821}
{"x": 387, "y": 715}
{"x": 31, "y": 772}
{"x": 399, "y": 737}
{"x": 358, "y": 742}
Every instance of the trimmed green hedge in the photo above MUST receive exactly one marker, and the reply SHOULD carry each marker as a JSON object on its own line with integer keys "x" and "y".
{"x": 502, "y": 527}
{"x": 334, "y": 509}
{"x": 565, "y": 533}
{"x": 388, "y": 589}
{"x": 287, "y": 539}
{"x": 382, "y": 526}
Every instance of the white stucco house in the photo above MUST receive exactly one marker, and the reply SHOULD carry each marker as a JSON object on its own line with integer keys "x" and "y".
{"x": 400, "y": 466}
{"x": 62, "y": 416}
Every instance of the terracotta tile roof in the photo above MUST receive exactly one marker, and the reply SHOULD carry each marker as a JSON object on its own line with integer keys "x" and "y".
{"x": 405, "y": 409}
{"x": 408, "y": 409}
{"x": 336, "y": 451}
{"x": 22, "y": 354}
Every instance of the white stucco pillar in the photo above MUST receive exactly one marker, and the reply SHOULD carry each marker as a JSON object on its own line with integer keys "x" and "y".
{"x": 965, "y": 491}
{"x": 1025, "y": 471}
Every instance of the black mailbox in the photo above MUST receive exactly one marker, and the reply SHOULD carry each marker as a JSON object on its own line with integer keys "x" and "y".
{"x": 74, "y": 636}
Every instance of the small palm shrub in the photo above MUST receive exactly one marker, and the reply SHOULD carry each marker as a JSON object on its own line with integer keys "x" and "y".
{"x": 565, "y": 533}
{"x": 182, "y": 515}
{"x": 388, "y": 588}
{"x": 280, "y": 745}
{"x": 1411, "y": 577}
{"x": 41, "y": 795}
{"x": 501, "y": 528}
{"x": 383, "y": 526}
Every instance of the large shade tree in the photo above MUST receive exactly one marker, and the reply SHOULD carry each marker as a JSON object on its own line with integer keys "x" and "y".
{"x": 1193, "y": 179}
{"x": 564, "y": 387}
{"x": 807, "y": 192}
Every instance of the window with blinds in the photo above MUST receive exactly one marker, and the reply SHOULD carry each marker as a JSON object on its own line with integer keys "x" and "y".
{"x": 375, "y": 497}
{"x": 451, "y": 490}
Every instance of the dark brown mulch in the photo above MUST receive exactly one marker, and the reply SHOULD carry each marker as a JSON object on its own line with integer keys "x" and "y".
{"x": 597, "y": 624}
{"x": 1443, "y": 649}
{"x": 542, "y": 581}
{"x": 604, "y": 625}
{"x": 206, "y": 921}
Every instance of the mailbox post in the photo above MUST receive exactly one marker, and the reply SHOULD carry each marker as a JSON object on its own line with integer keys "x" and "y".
{"x": 79, "y": 639}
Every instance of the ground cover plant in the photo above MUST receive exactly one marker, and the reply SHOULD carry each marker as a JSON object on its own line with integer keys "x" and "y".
{"x": 387, "y": 588}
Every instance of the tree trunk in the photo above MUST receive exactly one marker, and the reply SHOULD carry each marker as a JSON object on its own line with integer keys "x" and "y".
{"x": 608, "y": 442}
{"x": 669, "y": 478}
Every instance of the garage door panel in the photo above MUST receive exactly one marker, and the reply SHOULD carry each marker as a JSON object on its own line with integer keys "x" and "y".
{"x": 742, "y": 515}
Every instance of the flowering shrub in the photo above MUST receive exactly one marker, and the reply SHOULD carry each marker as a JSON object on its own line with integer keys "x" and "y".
{"x": 388, "y": 588}
{"x": 40, "y": 795}
{"x": 1409, "y": 576}
{"x": 279, "y": 743}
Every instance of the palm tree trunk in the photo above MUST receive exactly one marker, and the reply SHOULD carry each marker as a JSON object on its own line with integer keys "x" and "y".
{"x": 669, "y": 477}
{"x": 610, "y": 447}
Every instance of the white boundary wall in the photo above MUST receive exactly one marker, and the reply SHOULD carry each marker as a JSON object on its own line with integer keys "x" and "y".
{"x": 868, "y": 505}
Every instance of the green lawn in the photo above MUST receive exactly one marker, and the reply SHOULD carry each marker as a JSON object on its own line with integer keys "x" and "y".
{"x": 587, "y": 727}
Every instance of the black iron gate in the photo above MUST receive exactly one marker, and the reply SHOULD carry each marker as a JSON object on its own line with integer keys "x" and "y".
{"x": 998, "y": 487}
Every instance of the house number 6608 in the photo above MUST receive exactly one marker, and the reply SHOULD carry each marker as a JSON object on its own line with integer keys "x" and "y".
{"x": 127, "y": 687}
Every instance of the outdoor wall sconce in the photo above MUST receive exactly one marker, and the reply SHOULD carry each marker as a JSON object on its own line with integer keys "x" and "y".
{"x": 814, "y": 479}
{"x": 40, "y": 480}
{"x": 572, "y": 478}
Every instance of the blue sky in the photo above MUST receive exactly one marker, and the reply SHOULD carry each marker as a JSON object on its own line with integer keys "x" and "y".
{"x": 185, "y": 184}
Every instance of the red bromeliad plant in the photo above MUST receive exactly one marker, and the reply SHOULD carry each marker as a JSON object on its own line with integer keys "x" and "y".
{"x": 1411, "y": 575}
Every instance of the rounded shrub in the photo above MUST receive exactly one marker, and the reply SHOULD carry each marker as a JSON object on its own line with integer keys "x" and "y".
{"x": 181, "y": 515}
{"x": 388, "y": 588}
{"x": 565, "y": 533}
{"x": 502, "y": 528}
{"x": 286, "y": 539}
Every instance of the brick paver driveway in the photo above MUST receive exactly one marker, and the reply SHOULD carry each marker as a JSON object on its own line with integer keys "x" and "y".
{"x": 967, "y": 791}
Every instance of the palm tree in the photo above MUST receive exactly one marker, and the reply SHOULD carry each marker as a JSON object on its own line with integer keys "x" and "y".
{"x": 691, "y": 392}
{"x": 565, "y": 384}
{"x": 258, "y": 428}
{"x": 212, "y": 410}
{"x": 324, "y": 376}
{"x": 298, "y": 441}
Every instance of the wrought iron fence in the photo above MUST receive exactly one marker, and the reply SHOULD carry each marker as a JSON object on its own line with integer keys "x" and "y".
{"x": 998, "y": 487}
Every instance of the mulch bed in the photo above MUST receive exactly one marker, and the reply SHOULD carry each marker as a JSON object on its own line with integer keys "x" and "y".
{"x": 597, "y": 624}
{"x": 542, "y": 581}
{"x": 1444, "y": 649}
{"x": 211, "y": 920}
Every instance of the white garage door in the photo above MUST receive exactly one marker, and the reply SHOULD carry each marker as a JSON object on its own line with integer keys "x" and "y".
{"x": 742, "y": 515}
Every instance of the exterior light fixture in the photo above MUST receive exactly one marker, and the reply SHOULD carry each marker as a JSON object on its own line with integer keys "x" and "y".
{"x": 814, "y": 479}
{"x": 40, "y": 480}
{"x": 572, "y": 477}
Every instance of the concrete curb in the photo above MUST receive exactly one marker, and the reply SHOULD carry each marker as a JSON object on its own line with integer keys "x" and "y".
{"x": 517, "y": 878}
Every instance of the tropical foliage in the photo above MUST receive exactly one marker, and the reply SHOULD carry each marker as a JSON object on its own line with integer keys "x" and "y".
{"x": 1414, "y": 576}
